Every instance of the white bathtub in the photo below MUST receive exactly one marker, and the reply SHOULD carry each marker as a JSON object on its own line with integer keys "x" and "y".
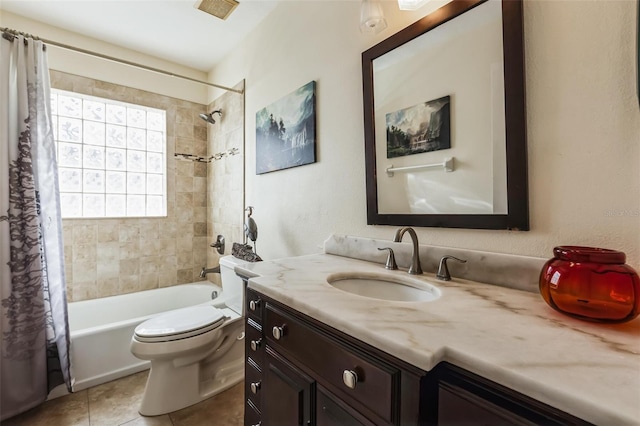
{"x": 101, "y": 330}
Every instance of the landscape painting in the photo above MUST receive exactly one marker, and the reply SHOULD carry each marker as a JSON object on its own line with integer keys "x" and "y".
{"x": 420, "y": 128}
{"x": 286, "y": 131}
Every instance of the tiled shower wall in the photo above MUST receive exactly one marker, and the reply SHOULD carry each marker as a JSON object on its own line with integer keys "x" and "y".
{"x": 106, "y": 257}
{"x": 225, "y": 200}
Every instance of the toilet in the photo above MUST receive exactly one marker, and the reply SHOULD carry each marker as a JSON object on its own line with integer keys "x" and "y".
{"x": 195, "y": 352}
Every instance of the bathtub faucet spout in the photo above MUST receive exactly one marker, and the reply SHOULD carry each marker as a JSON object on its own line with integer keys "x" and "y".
{"x": 206, "y": 271}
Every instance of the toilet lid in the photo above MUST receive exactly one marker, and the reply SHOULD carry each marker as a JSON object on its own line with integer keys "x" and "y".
{"x": 180, "y": 323}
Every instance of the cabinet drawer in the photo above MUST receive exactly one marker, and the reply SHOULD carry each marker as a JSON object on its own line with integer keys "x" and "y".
{"x": 254, "y": 343}
{"x": 253, "y": 384}
{"x": 254, "y": 305}
{"x": 371, "y": 383}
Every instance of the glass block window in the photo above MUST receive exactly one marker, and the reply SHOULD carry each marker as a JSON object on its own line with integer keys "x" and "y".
{"x": 111, "y": 157}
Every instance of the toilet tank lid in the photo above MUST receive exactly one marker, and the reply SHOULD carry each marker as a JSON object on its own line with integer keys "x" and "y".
{"x": 230, "y": 261}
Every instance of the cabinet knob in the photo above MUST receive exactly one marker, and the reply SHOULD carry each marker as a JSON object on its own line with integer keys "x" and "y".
{"x": 278, "y": 331}
{"x": 255, "y": 387}
{"x": 254, "y": 304}
{"x": 350, "y": 378}
{"x": 255, "y": 344}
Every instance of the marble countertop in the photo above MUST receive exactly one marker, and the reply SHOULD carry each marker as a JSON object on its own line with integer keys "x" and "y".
{"x": 509, "y": 336}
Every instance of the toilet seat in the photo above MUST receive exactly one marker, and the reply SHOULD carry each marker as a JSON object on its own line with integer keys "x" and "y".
{"x": 179, "y": 324}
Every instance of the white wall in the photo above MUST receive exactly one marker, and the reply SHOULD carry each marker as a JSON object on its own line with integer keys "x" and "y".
{"x": 583, "y": 124}
{"x": 99, "y": 69}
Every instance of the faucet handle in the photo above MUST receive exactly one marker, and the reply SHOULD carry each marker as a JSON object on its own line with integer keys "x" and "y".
{"x": 391, "y": 259}
{"x": 443, "y": 270}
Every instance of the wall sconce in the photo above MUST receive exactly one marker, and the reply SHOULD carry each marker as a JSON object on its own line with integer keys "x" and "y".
{"x": 411, "y": 4}
{"x": 371, "y": 17}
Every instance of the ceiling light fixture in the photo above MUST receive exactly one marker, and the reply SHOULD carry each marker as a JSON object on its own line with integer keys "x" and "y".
{"x": 371, "y": 17}
{"x": 411, "y": 4}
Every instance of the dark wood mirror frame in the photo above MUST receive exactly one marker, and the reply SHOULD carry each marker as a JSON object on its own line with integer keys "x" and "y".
{"x": 517, "y": 217}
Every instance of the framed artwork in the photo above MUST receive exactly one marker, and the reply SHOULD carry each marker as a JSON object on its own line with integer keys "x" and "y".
{"x": 286, "y": 131}
{"x": 420, "y": 128}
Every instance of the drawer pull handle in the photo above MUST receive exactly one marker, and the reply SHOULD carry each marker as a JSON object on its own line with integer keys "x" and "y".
{"x": 255, "y": 387}
{"x": 255, "y": 344}
{"x": 350, "y": 378}
{"x": 278, "y": 331}
{"x": 254, "y": 304}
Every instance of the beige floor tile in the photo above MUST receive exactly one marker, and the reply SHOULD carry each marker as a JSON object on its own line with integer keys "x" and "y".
{"x": 224, "y": 409}
{"x": 150, "y": 421}
{"x": 116, "y": 402}
{"x": 69, "y": 410}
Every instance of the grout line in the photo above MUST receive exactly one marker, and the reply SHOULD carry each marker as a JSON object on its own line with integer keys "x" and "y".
{"x": 86, "y": 392}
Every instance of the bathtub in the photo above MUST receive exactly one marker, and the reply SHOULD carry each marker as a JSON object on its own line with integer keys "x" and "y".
{"x": 101, "y": 330}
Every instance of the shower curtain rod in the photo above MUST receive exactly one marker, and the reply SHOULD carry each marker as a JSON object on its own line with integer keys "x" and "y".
{"x": 122, "y": 61}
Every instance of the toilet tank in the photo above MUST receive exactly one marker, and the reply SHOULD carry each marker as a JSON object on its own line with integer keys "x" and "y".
{"x": 232, "y": 285}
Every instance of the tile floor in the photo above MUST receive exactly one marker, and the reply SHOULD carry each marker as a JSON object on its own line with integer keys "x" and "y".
{"x": 116, "y": 403}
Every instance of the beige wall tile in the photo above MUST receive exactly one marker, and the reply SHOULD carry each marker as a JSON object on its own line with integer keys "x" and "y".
{"x": 184, "y": 168}
{"x": 108, "y": 251}
{"x": 129, "y": 233}
{"x": 167, "y": 279}
{"x": 108, "y": 233}
{"x": 200, "y": 199}
{"x": 200, "y": 229}
{"x": 184, "y": 130}
{"x": 129, "y": 284}
{"x": 149, "y": 281}
{"x": 108, "y": 269}
{"x": 84, "y": 271}
{"x": 184, "y": 243}
{"x": 184, "y": 184}
{"x": 200, "y": 169}
{"x": 67, "y": 233}
{"x": 85, "y": 234}
{"x": 184, "y": 115}
{"x": 184, "y": 259}
{"x": 185, "y": 276}
{"x": 130, "y": 250}
{"x": 129, "y": 267}
{"x": 108, "y": 287}
{"x": 84, "y": 290}
{"x": 149, "y": 265}
{"x": 149, "y": 231}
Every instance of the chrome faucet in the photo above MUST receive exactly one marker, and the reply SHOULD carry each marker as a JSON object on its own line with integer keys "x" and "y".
{"x": 206, "y": 271}
{"x": 415, "y": 268}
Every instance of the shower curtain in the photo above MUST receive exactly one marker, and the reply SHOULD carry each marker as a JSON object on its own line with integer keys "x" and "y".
{"x": 34, "y": 330}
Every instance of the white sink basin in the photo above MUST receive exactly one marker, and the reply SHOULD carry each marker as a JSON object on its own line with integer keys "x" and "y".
{"x": 385, "y": 287}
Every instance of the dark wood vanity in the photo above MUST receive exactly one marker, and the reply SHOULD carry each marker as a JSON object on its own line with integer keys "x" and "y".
{"x": 299, "y": 371}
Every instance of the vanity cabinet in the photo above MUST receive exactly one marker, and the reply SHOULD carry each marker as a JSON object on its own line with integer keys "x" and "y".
{"x": 306, "y": 373}
{"x": 300, "y": 371}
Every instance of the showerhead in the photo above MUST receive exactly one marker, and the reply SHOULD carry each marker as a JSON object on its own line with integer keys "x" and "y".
{"x": 209, "y": 117}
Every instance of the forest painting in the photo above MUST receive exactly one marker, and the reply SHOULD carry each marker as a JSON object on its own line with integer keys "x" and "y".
{"x": 419, "y": 128}
{"x": 286, "y": 131}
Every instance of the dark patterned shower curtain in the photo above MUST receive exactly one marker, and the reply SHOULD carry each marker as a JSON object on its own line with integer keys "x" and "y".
{"x": 34, "y": 331}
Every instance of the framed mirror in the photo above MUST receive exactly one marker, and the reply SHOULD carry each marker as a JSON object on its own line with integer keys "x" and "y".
{"x": 444, "y": 120}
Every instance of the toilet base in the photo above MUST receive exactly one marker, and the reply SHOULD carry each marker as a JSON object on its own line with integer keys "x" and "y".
{"x": 187, "y": 391}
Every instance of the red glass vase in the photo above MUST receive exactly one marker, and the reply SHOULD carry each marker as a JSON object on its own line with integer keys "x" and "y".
{"x": 591, "y": 283}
